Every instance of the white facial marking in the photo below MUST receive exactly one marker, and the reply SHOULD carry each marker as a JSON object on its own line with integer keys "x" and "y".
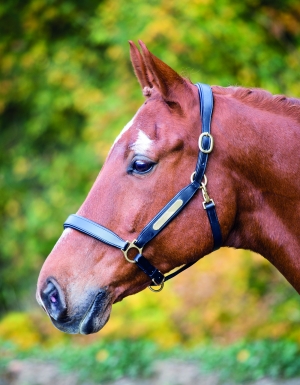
{"x": 143, "y": 143}
{"x": 126, "y": 128}
{"x": 63, "y": 236}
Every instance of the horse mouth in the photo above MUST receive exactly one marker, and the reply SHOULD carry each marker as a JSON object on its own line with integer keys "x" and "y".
{"x": 97, "y": 314}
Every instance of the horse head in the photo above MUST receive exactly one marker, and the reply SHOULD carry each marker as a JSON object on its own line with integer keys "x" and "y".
{"x": 151, "y": 160}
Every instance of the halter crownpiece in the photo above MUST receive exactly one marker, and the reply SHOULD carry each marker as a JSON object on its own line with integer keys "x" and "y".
{"x": 171, "y": 209}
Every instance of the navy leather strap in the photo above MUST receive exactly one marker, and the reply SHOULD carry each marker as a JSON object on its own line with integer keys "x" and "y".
{"x": 95, "y": 230}
{"x": 180, "y": 270}
{"x": 214, "y": 224}
{"x": 156, "y": 276}
{"x": 149, "y": 232}
{"x": 206, "y": 108}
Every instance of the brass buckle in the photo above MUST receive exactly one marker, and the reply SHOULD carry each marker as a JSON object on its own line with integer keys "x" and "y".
{"x": 211, "y": 142}
{"x": 131, "y": 245}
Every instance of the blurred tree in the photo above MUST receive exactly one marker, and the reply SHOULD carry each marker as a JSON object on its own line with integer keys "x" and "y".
{"x": 50, "y": 83}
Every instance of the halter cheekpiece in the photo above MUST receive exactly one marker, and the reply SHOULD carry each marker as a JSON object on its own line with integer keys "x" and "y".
{"x": 171, "y": 209}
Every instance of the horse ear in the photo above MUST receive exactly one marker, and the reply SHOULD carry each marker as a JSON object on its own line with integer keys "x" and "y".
{"x": 139, "y": 66}
{"x": 169, "y": 83}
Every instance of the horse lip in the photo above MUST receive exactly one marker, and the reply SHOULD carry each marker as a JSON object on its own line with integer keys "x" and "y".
{"x": 96, "y": 315}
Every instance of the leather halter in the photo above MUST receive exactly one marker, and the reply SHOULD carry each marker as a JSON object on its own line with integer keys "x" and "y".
{"x": 171, "y": 209}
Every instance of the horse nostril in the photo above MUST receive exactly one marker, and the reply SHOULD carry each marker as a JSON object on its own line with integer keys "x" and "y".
{"x": 53, "y": 300}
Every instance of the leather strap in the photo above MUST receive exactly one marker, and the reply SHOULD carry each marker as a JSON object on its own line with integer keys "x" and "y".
{"x": 214, "y": 224}
{"x": 180, "y": 270}
{"x": 95, "y": 230}
{"x": 156, "y": 276}
{"x": 206, "y": 108}
{"x": 149, "y": 232}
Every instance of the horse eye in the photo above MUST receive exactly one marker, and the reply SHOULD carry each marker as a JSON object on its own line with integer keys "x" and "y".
{"x": 141, "y": 166}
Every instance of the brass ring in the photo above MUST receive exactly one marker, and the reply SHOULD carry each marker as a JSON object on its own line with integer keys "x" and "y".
{"x": 131, "y": 246}
{"x": 204, "y": 177}
{"x": 192, "y": 176}
{"x": 211, "y": 146}
{"x": 161, "y": 286}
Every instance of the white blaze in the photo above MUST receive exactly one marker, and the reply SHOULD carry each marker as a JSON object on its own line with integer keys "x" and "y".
{"x": 126, "y": 128}
{"x": 143, "y": 143}
{"x": 63, "y": 236}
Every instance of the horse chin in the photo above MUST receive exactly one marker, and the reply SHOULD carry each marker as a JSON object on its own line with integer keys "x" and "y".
{"x": 97, "y": 315}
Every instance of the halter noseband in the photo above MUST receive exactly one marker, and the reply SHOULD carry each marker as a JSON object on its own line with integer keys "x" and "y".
{"x": 171, "y": 209}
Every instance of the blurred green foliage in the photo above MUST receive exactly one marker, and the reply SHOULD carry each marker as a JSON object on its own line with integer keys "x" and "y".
{"x": 250, "y": 361}
{"x": 108, "y": 360}
{"x": 66, "y": 90}
{"x": 99, "y": 362}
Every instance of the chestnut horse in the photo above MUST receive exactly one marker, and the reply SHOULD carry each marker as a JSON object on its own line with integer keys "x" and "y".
{"x": 252, "y": 176}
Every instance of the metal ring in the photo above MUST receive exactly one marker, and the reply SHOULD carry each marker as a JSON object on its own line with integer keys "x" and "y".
{"x": 161, "y": 286}
{"x": 192, "y": 176}
{"x": 211, "y": 143}
{"x": 131, "y": 246}
{"x": 204, "y": 183}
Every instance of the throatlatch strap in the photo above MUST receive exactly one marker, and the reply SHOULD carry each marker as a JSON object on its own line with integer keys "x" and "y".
{"x": 214, "y": 224}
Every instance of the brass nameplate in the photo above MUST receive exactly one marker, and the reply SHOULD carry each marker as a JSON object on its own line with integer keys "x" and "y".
{"x": 167, "y": 215}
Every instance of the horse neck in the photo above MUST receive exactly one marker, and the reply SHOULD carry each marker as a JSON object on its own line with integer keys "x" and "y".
{"x": 262, "y": 155}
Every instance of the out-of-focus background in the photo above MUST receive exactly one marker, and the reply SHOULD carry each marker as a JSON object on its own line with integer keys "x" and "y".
{"x": 66, "y": 90}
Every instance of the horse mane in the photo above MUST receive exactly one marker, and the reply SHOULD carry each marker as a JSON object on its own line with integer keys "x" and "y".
{"x": 264, "y": 100}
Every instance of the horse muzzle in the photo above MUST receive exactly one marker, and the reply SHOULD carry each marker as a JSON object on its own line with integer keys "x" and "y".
{"x": 90, "y": 315}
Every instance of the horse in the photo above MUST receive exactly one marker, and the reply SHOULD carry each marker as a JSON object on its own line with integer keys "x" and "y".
{"x": 196, "y": 168}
